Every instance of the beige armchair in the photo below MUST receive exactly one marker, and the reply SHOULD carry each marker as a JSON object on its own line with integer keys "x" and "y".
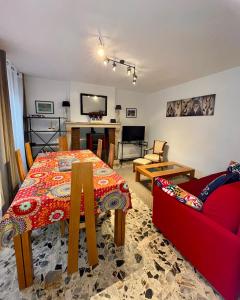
{"x": 157, "y": 151}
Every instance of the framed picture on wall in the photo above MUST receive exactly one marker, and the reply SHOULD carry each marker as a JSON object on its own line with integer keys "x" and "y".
{"x": 44, "y": 107}
{"x": 131, "y": 112}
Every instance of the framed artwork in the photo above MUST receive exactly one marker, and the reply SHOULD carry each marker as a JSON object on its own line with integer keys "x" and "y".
{"x": 197, "y": 106}
{"x": 131, "y": 112}
{"x": 44, "y": 107}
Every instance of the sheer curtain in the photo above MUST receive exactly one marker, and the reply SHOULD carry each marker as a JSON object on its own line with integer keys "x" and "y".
{"x": 15, "y": 86}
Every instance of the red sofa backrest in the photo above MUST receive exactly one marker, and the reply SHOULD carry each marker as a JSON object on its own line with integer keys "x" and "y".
{"x": 223, "y": 206}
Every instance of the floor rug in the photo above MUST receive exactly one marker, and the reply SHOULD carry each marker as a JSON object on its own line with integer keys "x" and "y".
{"x": 147, "y": 267}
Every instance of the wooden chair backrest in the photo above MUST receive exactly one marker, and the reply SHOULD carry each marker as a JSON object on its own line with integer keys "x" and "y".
{"x": 81, "y": 182}
{"x": 158, "y": 146}
{"x": 29, "y": 155}
{"x": 111, "y": 155}
{"x": 99, "y": 148}
{"x": 21, "y": 170}
{"x": 63, "y": 143}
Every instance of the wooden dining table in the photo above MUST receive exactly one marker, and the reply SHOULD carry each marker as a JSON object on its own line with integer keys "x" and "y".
{"x": 44, "y": 198}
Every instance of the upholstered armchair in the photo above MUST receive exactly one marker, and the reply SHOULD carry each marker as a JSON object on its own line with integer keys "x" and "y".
{"x": 157, "y": 151}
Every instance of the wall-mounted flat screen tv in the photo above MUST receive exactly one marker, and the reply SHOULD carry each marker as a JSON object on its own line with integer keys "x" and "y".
{"x": 133, "y": 133}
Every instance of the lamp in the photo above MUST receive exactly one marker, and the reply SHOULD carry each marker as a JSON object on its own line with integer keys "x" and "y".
{"x": 118, "y": 107}
{"x": 131, "y": 68}
{"x": 66, "y": 105}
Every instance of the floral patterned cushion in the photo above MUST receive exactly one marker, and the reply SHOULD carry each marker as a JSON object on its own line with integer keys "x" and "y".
{"x": 179, "y": 194}
{"x": 234, "y": 167}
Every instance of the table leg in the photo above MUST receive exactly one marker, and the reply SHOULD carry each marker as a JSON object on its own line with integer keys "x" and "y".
{"x": 192, "y": 174}
{"x": 19, "y": 261}
{"x": 23, "y": 254}
{"x": 27, "y": 257}
{"x": 137, "y": 176}
{"x": 152, "y": 183}
{"x": 62, "y": 228}
{"x": 119, "y": 227}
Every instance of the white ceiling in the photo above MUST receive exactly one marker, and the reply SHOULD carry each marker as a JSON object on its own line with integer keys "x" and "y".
{"x": 170, "y": 41}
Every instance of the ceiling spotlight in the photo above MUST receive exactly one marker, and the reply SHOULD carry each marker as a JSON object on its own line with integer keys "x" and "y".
{"x": 114, "y": 66}
{"x": 134, "y": 76}
{"x": 129, "y": 71}
{"x": 134, "y": 81}
{"x": 105, "y": 62}
{"x": 101, "y": 51}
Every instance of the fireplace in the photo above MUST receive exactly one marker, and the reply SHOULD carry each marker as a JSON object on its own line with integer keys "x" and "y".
{"x": 92, "y": 142}
{"x": 111, "y": 134}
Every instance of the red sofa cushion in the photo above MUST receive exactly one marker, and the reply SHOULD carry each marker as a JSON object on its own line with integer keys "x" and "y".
{"x": 223, "y": 206}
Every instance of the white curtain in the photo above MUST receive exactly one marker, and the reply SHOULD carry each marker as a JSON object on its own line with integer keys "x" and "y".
{"x": 15, "y": 86}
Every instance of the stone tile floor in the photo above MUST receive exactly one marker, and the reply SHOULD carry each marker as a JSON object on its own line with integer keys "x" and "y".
{"x": 147, "y": 267}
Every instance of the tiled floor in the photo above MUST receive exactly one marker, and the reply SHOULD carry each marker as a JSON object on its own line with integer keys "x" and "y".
{"x": 148, "y": 267}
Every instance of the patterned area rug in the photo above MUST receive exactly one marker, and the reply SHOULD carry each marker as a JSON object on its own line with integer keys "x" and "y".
{"x": 148, "y": 267}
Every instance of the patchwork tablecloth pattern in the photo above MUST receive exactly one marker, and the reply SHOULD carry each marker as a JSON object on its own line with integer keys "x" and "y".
{"x": 44, "y": 196}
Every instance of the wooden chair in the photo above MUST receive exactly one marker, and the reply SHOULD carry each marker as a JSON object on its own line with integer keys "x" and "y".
{"x": 111, "y": 155}
{"x": 99, "y": 148}
{"x": 29, "y": 155}
{"x": 63, "y": 143}
{"x": 157, "y": 151}
{"x": 21, "y": 170}
{"x": 81, "y": 182}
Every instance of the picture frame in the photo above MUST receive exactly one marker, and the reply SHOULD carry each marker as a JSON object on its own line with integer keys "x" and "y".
{"x": 44, "y": 107}
{"x": 191, "y": 107}
{"x": 91, "y": 103}
{"x": 131, "y": 113}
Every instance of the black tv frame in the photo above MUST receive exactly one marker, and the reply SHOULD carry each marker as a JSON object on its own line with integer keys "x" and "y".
{"x": 130, "y": 139}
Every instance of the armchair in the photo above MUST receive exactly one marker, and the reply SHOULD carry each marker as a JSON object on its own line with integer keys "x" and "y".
{"x": 157, "y": 151}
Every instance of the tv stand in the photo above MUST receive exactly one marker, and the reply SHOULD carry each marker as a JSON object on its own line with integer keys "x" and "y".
{"x": 140, "y": 144}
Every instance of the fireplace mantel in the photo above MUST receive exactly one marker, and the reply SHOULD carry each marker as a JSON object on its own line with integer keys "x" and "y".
{"x": 70, "y": 125}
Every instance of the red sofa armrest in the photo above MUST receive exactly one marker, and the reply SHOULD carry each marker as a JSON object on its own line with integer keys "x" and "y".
{"x": 212, "y": 249}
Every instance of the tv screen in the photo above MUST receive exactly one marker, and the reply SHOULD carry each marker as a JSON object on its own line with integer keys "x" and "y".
{"x": 133, "y": 133}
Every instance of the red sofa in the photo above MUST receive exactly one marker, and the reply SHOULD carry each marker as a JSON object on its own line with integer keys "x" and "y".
{"x": 209, "y": 239}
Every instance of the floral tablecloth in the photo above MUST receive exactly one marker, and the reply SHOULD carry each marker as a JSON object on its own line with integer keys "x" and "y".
{"x": 44, "y": 196}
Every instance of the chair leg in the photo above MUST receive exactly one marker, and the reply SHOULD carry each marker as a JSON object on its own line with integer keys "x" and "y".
{"x": 73, "y": 243}
{"x": 91, "y": 240}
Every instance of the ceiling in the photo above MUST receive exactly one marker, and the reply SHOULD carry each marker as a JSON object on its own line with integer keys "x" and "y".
{"x": 170, "y": 41}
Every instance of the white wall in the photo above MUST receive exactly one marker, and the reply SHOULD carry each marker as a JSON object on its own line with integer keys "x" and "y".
{"x": 46, "y": 90}
{"x": 130, "y": 99}
{"x": 76, "y": 88}
{"x": 57, "y": 91}
{"x": 207, "y": 143}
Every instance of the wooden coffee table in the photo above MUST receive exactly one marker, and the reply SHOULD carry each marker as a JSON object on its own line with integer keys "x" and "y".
{"x": 164, "y": 169}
